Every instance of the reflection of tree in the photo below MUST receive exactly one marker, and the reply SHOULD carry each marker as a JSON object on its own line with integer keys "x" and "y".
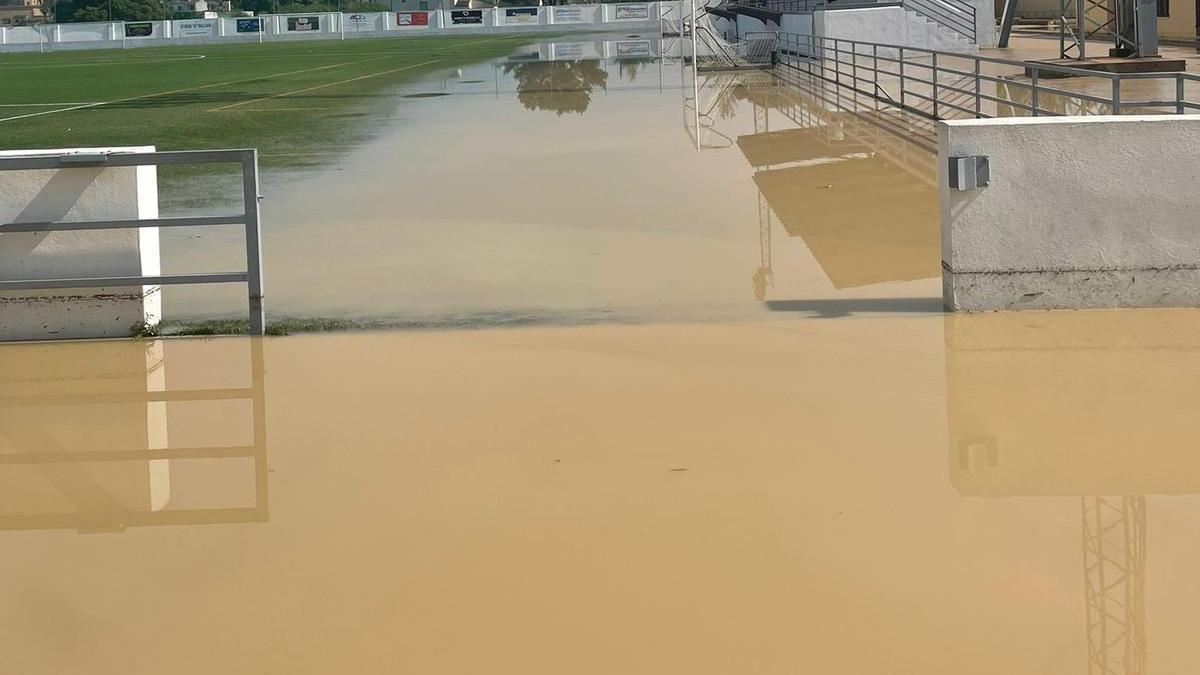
{"x": 630, "y": 68}
{"x": 561, "y": 86}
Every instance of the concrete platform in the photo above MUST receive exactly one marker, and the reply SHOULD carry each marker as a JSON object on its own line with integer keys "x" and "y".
{"x": 1111, "y": 64}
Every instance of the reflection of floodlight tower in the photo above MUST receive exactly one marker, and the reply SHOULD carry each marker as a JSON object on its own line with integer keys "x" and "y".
{"x": 764, "y": 277}
{"x": 1114, "y": 577}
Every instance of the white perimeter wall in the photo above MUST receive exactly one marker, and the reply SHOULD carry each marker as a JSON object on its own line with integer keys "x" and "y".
{"x": 91, "y": 193}
{"x": 1081, "y": 212}
{"x": 634, "y": 16}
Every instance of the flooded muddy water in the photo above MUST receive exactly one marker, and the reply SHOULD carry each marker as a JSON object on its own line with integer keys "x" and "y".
{"x": 793, "y": 462}
{"x": 911, "y": 493}
{"x": 572, "y": 190}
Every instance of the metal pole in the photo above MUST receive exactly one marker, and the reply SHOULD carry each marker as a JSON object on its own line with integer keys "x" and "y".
{"x": 1116, "y": 103}
{"x": 694, "y": 63}
{"x": 1179, "y": 107}
{"x": 934, "y": 78}
{"x": 254, "y": 271}
{"x": 901, "y": 60}
{"x": 978, "y": 90}
{"x": 1033, "y": 91}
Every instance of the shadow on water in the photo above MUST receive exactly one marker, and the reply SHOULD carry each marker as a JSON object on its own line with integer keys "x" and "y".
{"x": 833, "y": 308}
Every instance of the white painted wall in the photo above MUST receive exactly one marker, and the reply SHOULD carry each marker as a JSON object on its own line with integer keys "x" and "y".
{"x": 76, "y": 194}
{"x": 888, "y": 25}
{"x": 106, "y": 35}
{"x": 748, "y": 24}
{"x": 1081, "y": 212}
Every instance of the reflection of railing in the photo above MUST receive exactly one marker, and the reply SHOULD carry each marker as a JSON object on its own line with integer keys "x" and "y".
{"x": 247, "y": 159}
{"x": 944, "y": 85}
{"x": 34, "y": 446}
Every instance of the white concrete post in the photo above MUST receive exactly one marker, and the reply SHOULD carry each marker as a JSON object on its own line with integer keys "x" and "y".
{"x": 1079, "y": 212}
{"x": 85, "y": 193}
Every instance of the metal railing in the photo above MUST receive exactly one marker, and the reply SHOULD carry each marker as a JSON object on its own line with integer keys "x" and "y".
{"x": 945, "y": 85}
{"x": 250, "y": 218}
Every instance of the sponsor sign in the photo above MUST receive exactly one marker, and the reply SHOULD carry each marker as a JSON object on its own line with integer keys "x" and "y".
{"x": 632, "y": 12}
{"x": 360, "y": 22}
{"x": 634, "y": 49}
{"x": 568, "y": 14}
{"x": 568, "y": 50}
{"x": 521, "y": 15}
{"x": 412, "y": 18}
{"x": 139, "y": 29}
{"x": 194, "y": 28}
{"x": 249, "y": 25}
{"x": 304, "y": 23}
{"x": 461, "y": 16}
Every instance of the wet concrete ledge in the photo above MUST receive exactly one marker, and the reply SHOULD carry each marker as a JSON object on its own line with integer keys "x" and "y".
{"x": 1079, "y": 213}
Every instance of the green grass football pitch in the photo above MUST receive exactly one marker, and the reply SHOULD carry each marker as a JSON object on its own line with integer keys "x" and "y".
{"x": 290, "y": 100}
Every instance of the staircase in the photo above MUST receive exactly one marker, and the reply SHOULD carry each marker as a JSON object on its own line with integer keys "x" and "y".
{"x": 948, "y": 25}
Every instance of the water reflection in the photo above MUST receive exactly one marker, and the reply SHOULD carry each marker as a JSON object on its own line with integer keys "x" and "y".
{"x": 1105, "y": 412}
{"x": 558, "y": 86}
{"x": 106, "y": 436}
{"x": 844, "y": 175}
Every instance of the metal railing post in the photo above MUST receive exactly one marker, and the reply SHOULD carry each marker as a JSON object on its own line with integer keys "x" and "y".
{"x": 1116, "y": 96}
{"x": 1179, "y": 107}
{"x": 901, "y": 60}
{"x": 254, "y": 272}
{"x": 934, "y": 78}
{"x": 1033, "y": 91}
{"x": 978, "y": 91}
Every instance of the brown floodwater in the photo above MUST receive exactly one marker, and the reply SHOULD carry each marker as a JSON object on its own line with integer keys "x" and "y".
{"x": 743, "y": 438}
{"x": 572, "y": 191}
{"x": 889, "y": 492}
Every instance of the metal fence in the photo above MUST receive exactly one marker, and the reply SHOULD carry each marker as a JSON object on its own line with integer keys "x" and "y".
{"x": 249, "y": 217}
{"x": 945, "y": 85}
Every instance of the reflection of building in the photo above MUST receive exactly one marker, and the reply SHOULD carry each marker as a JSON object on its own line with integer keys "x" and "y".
{"x": 1048, "y": 405}
{"x": 858, "y": 194}
{"x": 86, "y": 440}
{"x": 21, "y": 12}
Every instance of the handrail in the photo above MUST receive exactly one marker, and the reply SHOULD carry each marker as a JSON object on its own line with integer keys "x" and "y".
{"x": 925, "y": 83}
{"x": 247, "y": 159}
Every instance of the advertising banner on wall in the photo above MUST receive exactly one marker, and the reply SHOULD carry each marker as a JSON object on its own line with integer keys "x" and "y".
{"x": 568, "y": 14}
{"x": 195, "y": 27}
{"x": 412, "y": 18}
{"x": 139, "y": 29}
{"x": 304, "y": 23}
{"x": 362, "y": 22}
{"x": 521, "y": 15}
{"x": 633, "y": 49}
{"x": 624, "y": 12}
{"x": 574, "y": 51}
{"x": 249, "y": 25}
{"x": 461, "y": 16}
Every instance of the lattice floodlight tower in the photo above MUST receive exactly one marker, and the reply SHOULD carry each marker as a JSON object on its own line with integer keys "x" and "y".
{"x": 1132, "y": 25}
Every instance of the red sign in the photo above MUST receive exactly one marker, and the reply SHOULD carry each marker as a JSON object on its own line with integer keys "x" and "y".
{"x": 412, "y": 18}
